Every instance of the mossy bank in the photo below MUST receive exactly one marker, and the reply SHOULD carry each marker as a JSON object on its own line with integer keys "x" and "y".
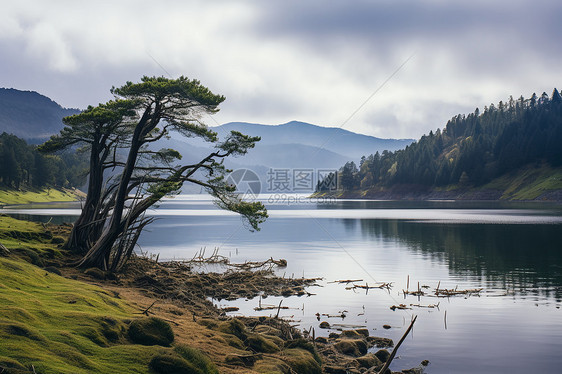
{"x": 58, "y": 319}
{"x": 9, "y": 196}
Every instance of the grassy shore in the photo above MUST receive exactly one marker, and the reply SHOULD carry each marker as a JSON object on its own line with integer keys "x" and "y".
{"x": 55, "y": 324}
{"x": 38, "y": 196}
{"x": 152, "y": 318}
{"x": 58, "y": 319}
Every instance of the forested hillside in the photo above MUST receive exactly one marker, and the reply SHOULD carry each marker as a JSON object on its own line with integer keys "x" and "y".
{"x": 471, "y": 150}
{"x": 22, "y": 166}
{"x": 30, "y": 115}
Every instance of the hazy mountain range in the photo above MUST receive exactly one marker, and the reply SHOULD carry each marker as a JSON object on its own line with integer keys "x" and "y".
{"x": 292, "y": 145}
{"x": 297, "y": 144}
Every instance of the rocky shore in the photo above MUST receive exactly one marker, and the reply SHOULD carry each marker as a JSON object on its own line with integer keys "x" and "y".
{"x": 265, "y": 344}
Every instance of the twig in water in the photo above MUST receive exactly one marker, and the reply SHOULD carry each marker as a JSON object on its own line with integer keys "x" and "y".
{"x": 387, "y": 363}
{"x": 408, "y": 282}
{"x": 278, "y": 309}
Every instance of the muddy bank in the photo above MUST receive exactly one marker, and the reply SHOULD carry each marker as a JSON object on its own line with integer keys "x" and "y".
{"x": 177, "y": 281}
{"x": 261, "y": 344}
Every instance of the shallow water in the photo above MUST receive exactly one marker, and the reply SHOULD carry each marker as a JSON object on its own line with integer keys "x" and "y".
{"x": 511, "y": 250}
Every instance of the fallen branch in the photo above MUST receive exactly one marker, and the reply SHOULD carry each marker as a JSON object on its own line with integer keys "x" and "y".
{"x": 400, "y": 306}
{"x": 426, "y": 306}
{"x": 229, "y": 309}
{"x": 414, "y": 293}
{"x": 215, "y": 258}
{"x": 259, "y": 264}
{"x": 419, "y": 292}
{"x": 348, "y": 326}
{"x": 367, "y": 287}
{"x": 347, "y": 281}
{"x": 200, "y": 259}
{"x": 270, "y": 307}
{"x": 452, "y": 292}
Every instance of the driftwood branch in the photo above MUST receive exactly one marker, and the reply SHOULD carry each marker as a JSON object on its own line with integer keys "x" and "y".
{"x": 389, "y": 361}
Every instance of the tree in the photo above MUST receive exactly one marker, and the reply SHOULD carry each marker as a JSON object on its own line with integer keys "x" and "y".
{"x": 143, "y": 114}
{"x": 12, "y": 173}
{"x": 349, "y": 173}
{"x": 556, "y": 98}
{"x": 99, "y": 131}
{"x": 44, "y": 170}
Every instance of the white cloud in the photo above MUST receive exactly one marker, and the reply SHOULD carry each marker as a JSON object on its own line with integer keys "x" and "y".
{"x": 46, "y": 43}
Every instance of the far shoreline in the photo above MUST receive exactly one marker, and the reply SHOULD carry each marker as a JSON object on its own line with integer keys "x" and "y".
{"x": 403, "y": 193}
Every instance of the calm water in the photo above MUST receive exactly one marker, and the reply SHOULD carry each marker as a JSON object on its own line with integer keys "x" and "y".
{"x": 512, "y": 251}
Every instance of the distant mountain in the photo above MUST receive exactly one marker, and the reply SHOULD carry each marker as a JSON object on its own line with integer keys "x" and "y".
{"x": 346, "y": 143}
{"x": 267, "y": 155}
{"x": 293, "y": 145}
{"x": 30, "y": 115}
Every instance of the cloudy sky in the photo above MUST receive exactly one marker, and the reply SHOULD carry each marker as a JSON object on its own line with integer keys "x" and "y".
{"x": 384, "y": 68}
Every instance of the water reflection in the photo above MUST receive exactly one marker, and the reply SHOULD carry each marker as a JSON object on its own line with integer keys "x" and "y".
{"x": 525, "y": 259}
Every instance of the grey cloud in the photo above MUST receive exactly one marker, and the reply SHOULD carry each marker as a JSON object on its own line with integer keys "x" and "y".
{"x": 275, "y": 61}
{"x": 365, "y": 20}
{"x": 480, "y": 34}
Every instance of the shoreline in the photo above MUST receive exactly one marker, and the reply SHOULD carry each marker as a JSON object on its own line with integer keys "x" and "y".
{"x": 532, "y": 182}
{"x": 402, "y": 193}
{"x": 173, "y": 293}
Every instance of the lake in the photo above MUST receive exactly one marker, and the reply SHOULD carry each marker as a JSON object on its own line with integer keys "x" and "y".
{"x": 513, "y": 251}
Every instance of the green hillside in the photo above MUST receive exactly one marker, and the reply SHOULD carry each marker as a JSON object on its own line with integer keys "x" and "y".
{"x": 45, "y": 195}
{"x": 514, "y": 148}
{"x": 30, "y": 115}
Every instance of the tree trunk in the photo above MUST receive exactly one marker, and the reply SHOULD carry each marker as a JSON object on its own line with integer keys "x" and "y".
{"x": 99, "y": 254}
{"x": 80, "y": 234}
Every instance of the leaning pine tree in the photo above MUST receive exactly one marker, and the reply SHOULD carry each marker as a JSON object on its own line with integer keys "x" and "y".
{"x": 98, "y": 131}
{"x": 128, "y": 175}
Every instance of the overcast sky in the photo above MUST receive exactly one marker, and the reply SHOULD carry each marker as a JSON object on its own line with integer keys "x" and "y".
{"x": 277, "y": 61}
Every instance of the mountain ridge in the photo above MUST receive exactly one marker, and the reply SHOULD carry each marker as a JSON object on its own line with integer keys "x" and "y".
{"x": 349, "y": 144}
